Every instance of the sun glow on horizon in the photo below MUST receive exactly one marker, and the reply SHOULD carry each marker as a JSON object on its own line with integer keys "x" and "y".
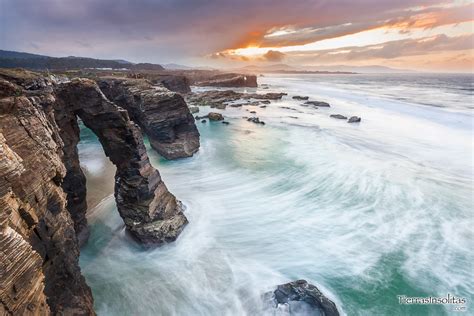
{"x": 374, "y": 36}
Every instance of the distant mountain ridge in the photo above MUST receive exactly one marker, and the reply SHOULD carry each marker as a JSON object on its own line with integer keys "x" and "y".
{"x": 173, "y": 66}
{"x": 19, "y": 55}
{"x": 12, "y": 59}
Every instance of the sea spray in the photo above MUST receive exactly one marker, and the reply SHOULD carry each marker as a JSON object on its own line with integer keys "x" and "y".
{"x": 365, "y": 212}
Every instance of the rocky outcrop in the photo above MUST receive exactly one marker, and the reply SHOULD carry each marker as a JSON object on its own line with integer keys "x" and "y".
{"x": 338, "y": 116}
{"x": 163, "y": 115}
{"x": 301, "y": 298}
{"x": 229, "y": 80}
{"x": 38, "y": 247}
{"x": 221, "y": 98}
{"x": 354, "y": 119}
{"x": 301, "y": 98}
{"x": 255, "y": 120}
{"x": 174, "y": 83}
{"x": 317, "y": 104}
{"x": 150, "y": 212}
{"x": 213, "y": 116}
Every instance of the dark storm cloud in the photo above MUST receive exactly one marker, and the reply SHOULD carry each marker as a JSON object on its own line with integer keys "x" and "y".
{"x": 171, "y": 29}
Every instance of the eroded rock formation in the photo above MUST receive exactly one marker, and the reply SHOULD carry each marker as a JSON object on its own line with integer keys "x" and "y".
{"x": 163, "y": 115}
{"x": 150, "y": 212}
{"x": 42, "y": 190}
{"x": 38, "y": 247}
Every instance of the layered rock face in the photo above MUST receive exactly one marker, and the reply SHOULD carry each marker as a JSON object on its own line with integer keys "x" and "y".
{"x": 173, "y": 82}
{"x": 150, "y": 212}
{"x": 42, "y": 190}
{"x": 38, "y": 247}
{"x": 163, "y": 115}
{"x": 229, "y": 80}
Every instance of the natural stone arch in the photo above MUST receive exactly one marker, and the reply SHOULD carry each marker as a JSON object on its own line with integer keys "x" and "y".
{"x": 150, "y": 212}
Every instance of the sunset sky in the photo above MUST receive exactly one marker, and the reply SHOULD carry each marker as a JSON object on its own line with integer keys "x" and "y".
{"x": 413, "y": 34}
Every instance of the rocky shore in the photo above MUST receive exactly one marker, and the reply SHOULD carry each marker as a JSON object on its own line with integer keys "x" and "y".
{"x": 39, "y": 249}
{"x": 42, "y": 187}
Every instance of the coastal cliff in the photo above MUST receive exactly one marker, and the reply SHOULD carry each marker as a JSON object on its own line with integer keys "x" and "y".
{"x": 42, "y": 189}
{"x": 39, "y": 251}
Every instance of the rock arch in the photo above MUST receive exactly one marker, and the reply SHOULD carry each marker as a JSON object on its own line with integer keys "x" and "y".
{"x": 150, "y": 212}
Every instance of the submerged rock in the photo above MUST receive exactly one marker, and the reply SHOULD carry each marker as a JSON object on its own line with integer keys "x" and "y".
{"x": 317, "y": 104}
{"x": 354, "y": 119}
{"x": 255, "y": 120}
{"x": 225, "y": 123}
{"x": 265, "y": 96}
{"x": 338, "y": 116}
{"x": 300, "y": 298}
{"x": 213, "y": 116}
{"x": 301, "y": 98}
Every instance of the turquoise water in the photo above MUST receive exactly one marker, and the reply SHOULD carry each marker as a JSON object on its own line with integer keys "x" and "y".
{"x": 364, "y": 211}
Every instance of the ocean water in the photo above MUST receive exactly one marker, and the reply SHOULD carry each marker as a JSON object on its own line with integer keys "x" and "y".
{"x": 364, "y": 211}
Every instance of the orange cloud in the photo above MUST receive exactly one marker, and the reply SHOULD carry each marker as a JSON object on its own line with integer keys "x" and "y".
{"x": 299, "y": 33}
{"x": 433, "y": 17}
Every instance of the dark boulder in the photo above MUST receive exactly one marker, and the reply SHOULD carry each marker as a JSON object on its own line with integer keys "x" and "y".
{"x": 213, "y": 116}
{"x": 301, "y": 98}
{"x": 354, "y": 119}
{"x": 255, "y": 120}
{"x": 301, "y": 298}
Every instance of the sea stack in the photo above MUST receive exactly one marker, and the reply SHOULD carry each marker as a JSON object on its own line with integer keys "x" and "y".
{"x": 162, "y": 114}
